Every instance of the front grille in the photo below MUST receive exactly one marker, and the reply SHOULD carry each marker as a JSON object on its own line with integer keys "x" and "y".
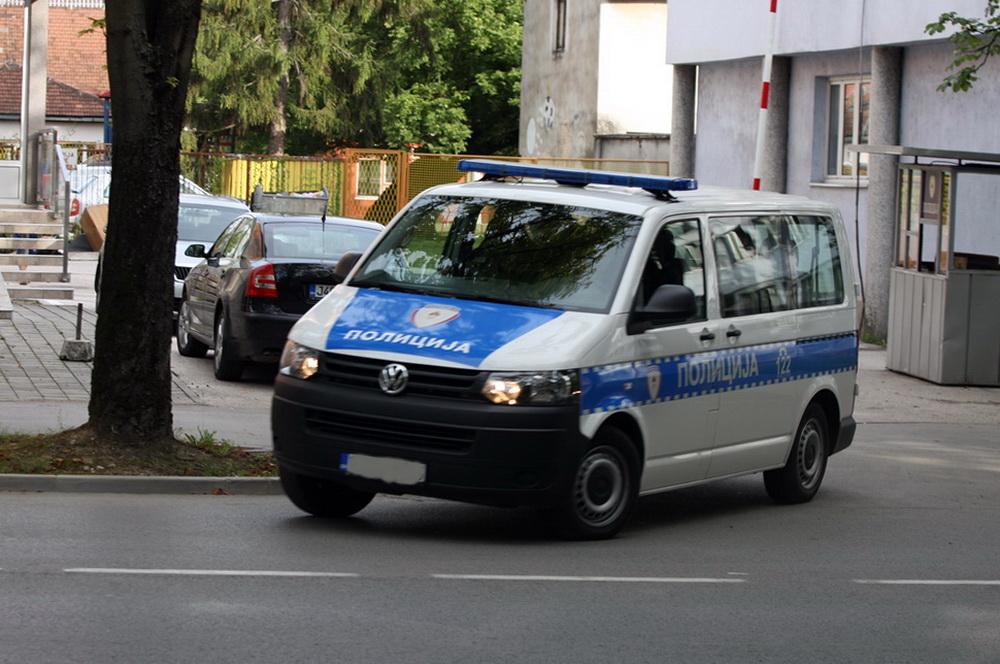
{"x": 424, "y": 379}
{"x": 181, "y": 273}
{"x": 400, "y": 433}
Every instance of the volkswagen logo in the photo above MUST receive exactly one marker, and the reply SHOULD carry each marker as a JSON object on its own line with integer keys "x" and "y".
{"x": 393, "y": 378}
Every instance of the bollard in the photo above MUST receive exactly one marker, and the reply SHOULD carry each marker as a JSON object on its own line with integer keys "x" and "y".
{"x": 79, "y": 349}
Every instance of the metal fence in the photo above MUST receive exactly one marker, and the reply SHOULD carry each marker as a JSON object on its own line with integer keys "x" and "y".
{"x": 363, "y": 183}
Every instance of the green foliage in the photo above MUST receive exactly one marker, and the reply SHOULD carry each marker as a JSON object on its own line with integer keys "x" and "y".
{"x": 975, "y": 40}
{"x": 379, "y": 73}
{"x": 429, "y": 114}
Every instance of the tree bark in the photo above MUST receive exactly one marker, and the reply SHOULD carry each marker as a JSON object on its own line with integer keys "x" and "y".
{"x": 279, "y": 126}
{"x": 150, "y": 45}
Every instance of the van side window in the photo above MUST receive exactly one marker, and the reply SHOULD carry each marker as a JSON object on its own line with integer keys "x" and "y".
{"x": 815, "y": 262}
{"x": 676, "y": 258}
{"x": 751, "y": 255}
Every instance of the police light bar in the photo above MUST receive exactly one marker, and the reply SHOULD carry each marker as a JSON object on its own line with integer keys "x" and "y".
{"x": 657, "y": 185}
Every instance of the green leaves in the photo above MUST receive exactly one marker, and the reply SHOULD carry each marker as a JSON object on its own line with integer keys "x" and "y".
{"x": 379, "y": 73}
{"x": 975, "y": 41}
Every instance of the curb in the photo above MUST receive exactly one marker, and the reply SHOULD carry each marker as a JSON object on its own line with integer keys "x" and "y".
{"x": 243, "y": 486}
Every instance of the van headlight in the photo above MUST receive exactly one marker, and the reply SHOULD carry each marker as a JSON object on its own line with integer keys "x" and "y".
{"x": 547, "y": 388}
{"x": 298, "y": 361}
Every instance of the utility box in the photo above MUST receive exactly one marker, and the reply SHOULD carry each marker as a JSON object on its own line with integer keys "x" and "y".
{"x": 944, "y": 290}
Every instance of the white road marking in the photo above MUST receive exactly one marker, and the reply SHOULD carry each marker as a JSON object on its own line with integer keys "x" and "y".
{"x": 206, "y": 572}
{"x": 584, "y": 579}
{"x": 929, "y": 582}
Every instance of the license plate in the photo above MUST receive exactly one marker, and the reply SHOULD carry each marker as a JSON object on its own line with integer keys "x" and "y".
{"x": 384, "y": 469}
{"x": 317, "y": 291}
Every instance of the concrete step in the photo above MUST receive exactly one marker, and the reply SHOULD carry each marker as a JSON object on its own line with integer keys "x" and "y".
{"x": 39, "y": 292}
{"x": 30, "y": 259}
{"x": 24, "y": 215}
{"x": 33, "y": 275}
{"x": 6, "y": 306}
{"x": 9, "y": 227}
{"x": 31, "y": 243}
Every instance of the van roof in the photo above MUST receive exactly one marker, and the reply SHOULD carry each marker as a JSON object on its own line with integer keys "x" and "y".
{"x": 630, "y": 200}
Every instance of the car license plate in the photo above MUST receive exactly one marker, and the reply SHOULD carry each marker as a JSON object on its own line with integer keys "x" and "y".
{"x": 384, "y": 469}
{"x": 317, "y": 291}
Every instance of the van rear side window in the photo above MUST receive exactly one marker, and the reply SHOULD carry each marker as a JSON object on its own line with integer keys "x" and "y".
{"x": 776, "y": 263}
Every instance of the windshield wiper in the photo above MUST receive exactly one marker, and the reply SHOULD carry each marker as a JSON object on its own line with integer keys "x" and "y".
{"x": 382, "y": 285}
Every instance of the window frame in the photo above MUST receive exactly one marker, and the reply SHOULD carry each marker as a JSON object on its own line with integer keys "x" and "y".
{"x": 559, "y": 22}
{"x": 840, "y": 83}
{"x": 383, "y": 181}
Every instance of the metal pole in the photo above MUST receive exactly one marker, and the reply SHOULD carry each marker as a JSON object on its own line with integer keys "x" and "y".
{"x": 25, "y": 91}
{"x": 65, "y": 215}
{"x": 765, "y": 92}
{"x": 79, "y": 319}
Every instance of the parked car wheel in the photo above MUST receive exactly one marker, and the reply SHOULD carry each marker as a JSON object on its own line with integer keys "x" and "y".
{"x": 187, "y": 345}
{"x": 799, "y": 479}
{"x": 228, "y": 365}
{"x": 603, "y": 490}
{"x": 322, "y": 498}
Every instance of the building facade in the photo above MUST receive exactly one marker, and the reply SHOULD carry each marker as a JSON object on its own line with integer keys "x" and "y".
{"x": 595, "y": 82}
{"x": 845, "y": 72}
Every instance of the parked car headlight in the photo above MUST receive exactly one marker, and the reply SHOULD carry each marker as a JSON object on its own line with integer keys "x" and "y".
{"x": 532, "y": 388}
{"x": 298, "y": 361}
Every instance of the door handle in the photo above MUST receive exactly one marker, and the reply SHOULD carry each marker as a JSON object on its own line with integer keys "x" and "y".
{"x": 706, "y": 335}
{"x": 733, "y": 332}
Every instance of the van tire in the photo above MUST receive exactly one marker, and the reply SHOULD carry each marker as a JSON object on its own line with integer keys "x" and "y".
{"x": 226, "y": 363}
{"x": 799, "y": 479}
{"x": 602, "y": 491}
{"x": 322, "y": 498}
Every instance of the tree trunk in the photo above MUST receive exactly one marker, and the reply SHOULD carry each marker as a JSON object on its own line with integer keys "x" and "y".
{"x": 150, "y": 45}
{"x": 279, "y": 126}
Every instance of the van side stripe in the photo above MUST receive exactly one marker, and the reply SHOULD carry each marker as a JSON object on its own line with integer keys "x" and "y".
{"x": 617, "y": 386}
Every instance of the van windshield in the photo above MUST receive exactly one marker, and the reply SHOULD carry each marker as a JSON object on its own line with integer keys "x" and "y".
{"x": 516, "y": 252}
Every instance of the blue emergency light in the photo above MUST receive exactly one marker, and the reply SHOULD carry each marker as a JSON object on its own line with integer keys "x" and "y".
{"x": 657, "y": 185}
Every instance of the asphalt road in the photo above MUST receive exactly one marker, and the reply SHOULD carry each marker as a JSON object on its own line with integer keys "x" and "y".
{"x": 897, "y": 560}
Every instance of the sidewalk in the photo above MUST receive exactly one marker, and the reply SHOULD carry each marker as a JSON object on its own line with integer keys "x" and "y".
{"x": 39, "y": 392}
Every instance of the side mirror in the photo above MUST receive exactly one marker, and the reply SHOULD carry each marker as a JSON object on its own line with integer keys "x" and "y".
{"x": 345, "y": 265}
{"x": 670, "y": 303}
{"x": 195, "y": 251}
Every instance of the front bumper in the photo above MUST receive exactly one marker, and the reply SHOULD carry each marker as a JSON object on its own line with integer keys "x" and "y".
{"x": 474, "y": 452}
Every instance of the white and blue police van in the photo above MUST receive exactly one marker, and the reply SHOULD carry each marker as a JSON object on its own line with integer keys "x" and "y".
{"x": 574, "y": 340}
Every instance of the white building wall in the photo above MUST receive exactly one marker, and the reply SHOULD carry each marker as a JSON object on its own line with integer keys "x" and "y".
{"x": 635, "y": 82}
{"x": 712, "y": 30}
{"x": 82, "y": 132}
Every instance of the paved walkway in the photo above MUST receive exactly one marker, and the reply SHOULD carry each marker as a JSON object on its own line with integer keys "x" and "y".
{"x": 30, "y": 368}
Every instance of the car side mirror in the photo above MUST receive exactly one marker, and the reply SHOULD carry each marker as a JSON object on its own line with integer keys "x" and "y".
{"x": 670, "y": 303}
{"x": 345, "y": 265}
{"x": 195, "y": 251}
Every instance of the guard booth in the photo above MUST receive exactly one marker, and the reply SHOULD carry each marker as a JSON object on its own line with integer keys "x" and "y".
{"x": 944, "y": 297}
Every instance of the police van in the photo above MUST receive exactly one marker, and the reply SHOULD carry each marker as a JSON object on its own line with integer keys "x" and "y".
{"x": 573, "y": 340}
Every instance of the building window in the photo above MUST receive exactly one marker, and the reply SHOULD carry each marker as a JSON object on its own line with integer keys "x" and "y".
{"x": 847, "y": 124}
{"x": 559, "y": 44}
{"x": 374, "y": 177}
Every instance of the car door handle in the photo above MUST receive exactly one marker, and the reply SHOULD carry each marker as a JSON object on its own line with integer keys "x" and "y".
{"x": 706, "y": 335}
{"x": 733, "y": 332}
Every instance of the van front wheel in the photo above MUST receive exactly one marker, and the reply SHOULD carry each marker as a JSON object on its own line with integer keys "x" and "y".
{"x": 322, "y": 498}
{"x": 603, "y": 489}
{"x": 799, "y": 479}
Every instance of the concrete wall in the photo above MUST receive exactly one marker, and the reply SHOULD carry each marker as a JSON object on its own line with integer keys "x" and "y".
{"x": 635, "y": 81}
{"x": 711, "y": 30}
{"x": 83, "y": 132}
{"x": 559, "y": 91}
{"x": 625, "y": 146}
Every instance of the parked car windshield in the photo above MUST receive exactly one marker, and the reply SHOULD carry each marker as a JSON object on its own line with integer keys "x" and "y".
{"x": 204, "y": 223}
{"x": 327, "y": 241}
{"x": 518, "y": 252}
